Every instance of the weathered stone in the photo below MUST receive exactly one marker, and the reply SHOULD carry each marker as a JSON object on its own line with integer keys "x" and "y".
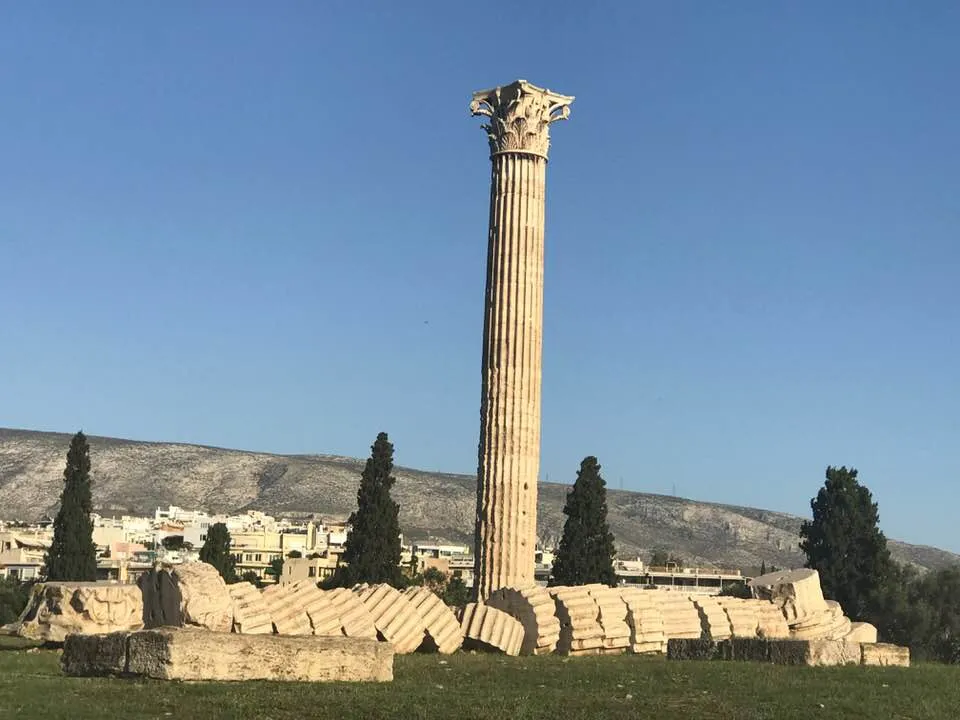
{"x": 487, "y": 628}
{"x": 861, "y": 632}
{"x": 397, "y": 621}
{"x": 322, "y": 613}
{"x": 535, "y": 610}
{"x": 580, "y": 630}
{"x": 56, "y": 609}
{"x": 796, "y": 592}
{"x": 691, "y": 649}
{"x": 509, "y": 450}
{"x": 250, "y": 614}
{"x": 814, "y": 652}
{"x": 193, "y": 654}
{"x": 742, "y": 616}
{"x": 286, "y": 611}
{"x": 191, "y": 593}
{"x": 443, "y": 628}
{"x": 95, "y": 655}
{"x": 645, "y": 621}
{"x": 681, "y": 619}
{"x": 612, "y": 616}
{"x": 714, "y": 623}
{"x": 884, "y": 654}
{"x": 355, "y": 619}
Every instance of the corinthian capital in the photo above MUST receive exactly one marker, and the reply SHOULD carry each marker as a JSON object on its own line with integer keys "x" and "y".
{"x": 520, "y": 116}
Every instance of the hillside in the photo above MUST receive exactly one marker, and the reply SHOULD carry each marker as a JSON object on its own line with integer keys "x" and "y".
{"x": 137, "y": 477}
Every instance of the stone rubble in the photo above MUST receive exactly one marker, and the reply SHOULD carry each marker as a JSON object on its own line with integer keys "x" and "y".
{"x": 321, "y": 612}
{"x": 443, "y": 628}
{"x": 487, "y": 628}
{"x": 535, "y": 609}
{"x": 286, "y": 612}
{"x": 396, "y": 619}
{"x": 250, "y": 614}
{"x": 645, "y": 621}
{"x": 579, "y": 616}
{"x": 355, "y": 619}
{"x": 612, "y": 616}
{"x": 57, "y": 609}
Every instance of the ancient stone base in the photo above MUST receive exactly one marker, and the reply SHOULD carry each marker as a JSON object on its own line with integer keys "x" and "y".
{"x": 689, "y": 649}
{"x": 819, "y": 653}
{"x": 95, "y": 655}
{"x": 195, "y": 654}
{"x": 884, "y": 654}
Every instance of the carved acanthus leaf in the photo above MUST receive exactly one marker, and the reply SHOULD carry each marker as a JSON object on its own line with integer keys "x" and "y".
{"x": 520, "y": 116}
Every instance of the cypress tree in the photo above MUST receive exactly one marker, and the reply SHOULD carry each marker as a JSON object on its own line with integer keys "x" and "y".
{"x": 586, "y": 549}
{"x": 72, "y": 555}
{"x": 216, "y": 552}
{"x": 372, "y": 550}
{"x": 844, "y": 544}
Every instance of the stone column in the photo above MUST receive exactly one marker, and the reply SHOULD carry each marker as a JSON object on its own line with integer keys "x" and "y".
{"x": 509, "y": 453}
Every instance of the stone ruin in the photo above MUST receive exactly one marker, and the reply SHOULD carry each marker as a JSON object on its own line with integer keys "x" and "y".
{"x": 183, "y": 622}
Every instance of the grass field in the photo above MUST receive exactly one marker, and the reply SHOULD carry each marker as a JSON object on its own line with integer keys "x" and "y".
{"x": 490, "y": 687}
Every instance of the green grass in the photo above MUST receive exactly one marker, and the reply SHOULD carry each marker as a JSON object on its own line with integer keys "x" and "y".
{"x": 491, "y": 687}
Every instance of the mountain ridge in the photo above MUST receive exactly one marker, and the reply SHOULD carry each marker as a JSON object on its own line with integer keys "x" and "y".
{"x": 135, "y": 477}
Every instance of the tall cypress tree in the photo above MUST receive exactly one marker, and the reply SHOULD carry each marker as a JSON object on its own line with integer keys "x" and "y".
{"x": 844, "y": 544}
{"x": 216, "y": 551}
{"x": 586, "y": 549}
{"x": 372, "y": 550}
{"x": 72, "y": 554}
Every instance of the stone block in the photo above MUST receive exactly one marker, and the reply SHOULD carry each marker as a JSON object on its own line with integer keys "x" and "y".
{"x": 690, "y": 649}
{"x": 748, "y": 649}
{"x": 191, "y": 593}
{"x": 814, "y": 652}
{"x": 862, "y": 632}
{"x": 95, "y": 655}
{"x": 57, "y": 609}
{"x": 884, "y": 654}
{"x": 193, "y": 654}
{"x": 796, "y": 592}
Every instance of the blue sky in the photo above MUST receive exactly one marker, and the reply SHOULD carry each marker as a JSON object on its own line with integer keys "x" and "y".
{"x": 263, "y": 226}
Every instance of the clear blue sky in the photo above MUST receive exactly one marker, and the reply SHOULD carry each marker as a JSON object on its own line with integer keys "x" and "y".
{"x": 263, "y": 226}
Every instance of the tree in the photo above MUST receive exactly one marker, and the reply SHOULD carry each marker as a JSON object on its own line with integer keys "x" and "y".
{"x": 13, "y": 599}
{"x": 275, "y": 569}
{"x": 763, "y": 567}
{"x": 372, "y": 551}
{"x": 172, "y": 542}
{"x": 216, "y": 552}
{"x": 251, "y": 577}
{"x": 844, "y": 544}
{"x": 294, "y": 554}
{"x": 72, "y": 554}
{"x": 586, "y": 549}
{"x": 662, "y": 558}
{"x": 456, "y": 594}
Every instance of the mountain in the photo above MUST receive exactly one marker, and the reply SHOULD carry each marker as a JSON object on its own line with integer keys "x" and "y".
{"x": 134, "y": 478}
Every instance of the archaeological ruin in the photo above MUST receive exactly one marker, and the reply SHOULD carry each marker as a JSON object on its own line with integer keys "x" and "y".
{"x": 509, "y": 452}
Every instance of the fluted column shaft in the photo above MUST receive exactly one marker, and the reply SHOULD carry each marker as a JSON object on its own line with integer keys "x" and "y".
{"x": 519, "y": 135}
{"x": 509, "y": 461}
